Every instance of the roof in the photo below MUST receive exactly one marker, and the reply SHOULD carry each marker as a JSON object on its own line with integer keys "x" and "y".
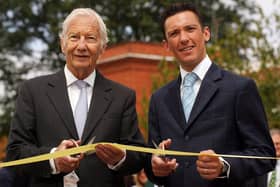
{"x": 143, "y": 50}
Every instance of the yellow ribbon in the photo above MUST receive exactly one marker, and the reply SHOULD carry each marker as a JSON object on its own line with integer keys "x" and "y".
{"x": 91, "y": 147}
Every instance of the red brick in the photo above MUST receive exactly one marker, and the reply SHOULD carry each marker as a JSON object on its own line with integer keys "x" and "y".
{"x": 133, "y": 64}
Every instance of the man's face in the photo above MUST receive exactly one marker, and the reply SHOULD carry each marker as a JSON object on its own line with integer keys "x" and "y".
{"x": 186, "y": 39}
{"x": 276, "y": 141}
{"x": 81, "y": 45}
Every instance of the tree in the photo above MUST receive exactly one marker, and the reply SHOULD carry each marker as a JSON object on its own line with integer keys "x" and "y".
{"x": 30, "y": 42}
{"x": 267, "y": 51}
{"x": 250, "y": 53}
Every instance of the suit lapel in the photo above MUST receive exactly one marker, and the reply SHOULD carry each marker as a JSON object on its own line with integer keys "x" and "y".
{"x": 57, "y": 92}
{"x": 101, "y": 99}
{"x": 174, "y": 104}
{"x": 207, "y": 91}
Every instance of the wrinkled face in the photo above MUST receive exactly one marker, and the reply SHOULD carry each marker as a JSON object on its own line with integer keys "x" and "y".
{"x": 186, "y": 39}
{"x": 276, "y": 141}
{"x": 81, "y": 45}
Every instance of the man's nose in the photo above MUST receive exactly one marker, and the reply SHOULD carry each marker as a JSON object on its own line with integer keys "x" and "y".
{"x": 184, "y": 37}
{"x": 82, "y": 43}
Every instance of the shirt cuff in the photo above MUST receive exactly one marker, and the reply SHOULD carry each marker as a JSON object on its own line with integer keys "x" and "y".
{"x": 119, "y": 164}
{"x": 226, "y": 173}
{"x": 52, "y": 164}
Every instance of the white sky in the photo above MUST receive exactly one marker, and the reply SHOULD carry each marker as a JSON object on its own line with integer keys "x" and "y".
{"x": 267, "y": 5}
{"x": 270, "y": 6}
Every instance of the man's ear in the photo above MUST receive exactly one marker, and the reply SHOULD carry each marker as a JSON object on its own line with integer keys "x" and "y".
{"x": 206, "y": 33}
{"x": 62, "y": 45}
{"x": 165, "y": 44}
{"x": 101, "y": 51}
{"x": 103, "y": 48}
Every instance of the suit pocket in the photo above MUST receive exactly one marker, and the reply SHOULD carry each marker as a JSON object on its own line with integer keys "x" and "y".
{"x": 112, "y": 116}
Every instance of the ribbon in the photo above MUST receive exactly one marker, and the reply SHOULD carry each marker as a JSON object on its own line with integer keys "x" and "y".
{"x": 91, "y": 147}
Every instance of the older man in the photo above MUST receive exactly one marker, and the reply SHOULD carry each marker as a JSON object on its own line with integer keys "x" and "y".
{"x": 69, "y": 108}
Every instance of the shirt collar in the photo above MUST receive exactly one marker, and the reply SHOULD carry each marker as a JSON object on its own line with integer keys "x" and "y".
{"x": 70, "y": 78}
{"x": 200, "y": 70}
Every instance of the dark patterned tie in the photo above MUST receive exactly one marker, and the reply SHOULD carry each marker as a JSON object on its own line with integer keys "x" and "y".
{"x": 272, "y": 181}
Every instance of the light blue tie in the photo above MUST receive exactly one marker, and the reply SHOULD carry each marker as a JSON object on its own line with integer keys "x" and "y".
{"x": 81, "y": 109}
{"x": 188, "y": 94}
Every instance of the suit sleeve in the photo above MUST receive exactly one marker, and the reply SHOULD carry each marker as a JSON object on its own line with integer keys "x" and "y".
{"x": 131, "y": 135}
{"x": 254, "y": 135}
{"x": 153, "y": 136}
{"x": 22, "y": 137}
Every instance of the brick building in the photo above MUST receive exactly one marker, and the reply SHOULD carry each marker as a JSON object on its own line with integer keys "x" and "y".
{"x": 133, "y": 64}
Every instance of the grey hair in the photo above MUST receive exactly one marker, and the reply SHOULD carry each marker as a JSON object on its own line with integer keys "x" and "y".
{"x": 274, "y": 131}
{"x": 86, "y": 12}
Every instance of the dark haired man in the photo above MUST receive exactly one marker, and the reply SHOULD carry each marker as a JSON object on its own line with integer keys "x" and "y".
{"x": 207, "y": 110}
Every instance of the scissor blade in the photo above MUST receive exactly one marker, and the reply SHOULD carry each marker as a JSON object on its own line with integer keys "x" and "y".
{"x": 155, "y": 145}
{"x": 90, "y": 142}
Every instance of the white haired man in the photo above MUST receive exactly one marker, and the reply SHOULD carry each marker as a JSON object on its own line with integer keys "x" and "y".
{"x": 69, "y": 108}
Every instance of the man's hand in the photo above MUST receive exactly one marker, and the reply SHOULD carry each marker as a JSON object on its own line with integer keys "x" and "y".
{"x": 209, "y": 167}
{"x": 67, "y": 164}
{"x": 162, "y": 166}
{"x": 109, "y": 154}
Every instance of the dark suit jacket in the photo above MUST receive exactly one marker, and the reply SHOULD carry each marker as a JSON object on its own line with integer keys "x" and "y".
{"x": 227, "y": 116}
{"x": 43, "y": 118}
{"x": 9, "y": 178}
{"x": 6, "y": 177}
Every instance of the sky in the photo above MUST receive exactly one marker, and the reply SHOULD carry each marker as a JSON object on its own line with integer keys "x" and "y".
{"x": 267, "y": 5}
{"x": 270, "y": 6}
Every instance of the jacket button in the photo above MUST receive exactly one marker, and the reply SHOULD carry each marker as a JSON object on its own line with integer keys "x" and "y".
{"x": 187, "y": 164}
{"x": 187, "y": 138}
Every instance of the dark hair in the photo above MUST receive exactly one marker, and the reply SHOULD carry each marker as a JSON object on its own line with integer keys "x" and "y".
{"x": 176, "y": 8}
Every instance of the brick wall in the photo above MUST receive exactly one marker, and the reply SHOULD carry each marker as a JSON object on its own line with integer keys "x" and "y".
{"x": 133, "y": 64}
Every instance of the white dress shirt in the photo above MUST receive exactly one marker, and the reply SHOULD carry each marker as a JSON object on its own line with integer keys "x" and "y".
{"x": 73, "y": 94}
{"x": 200, "y": 70}
{"x": 74, "y": 91}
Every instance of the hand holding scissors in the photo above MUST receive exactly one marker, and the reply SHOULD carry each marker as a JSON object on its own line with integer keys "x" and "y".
{"x": 161, "y": 165}
{"x": 86, "y": 153}
{"x": 162, "y": 147}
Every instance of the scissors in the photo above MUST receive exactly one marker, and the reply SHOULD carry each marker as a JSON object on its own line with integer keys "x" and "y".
{"x": 163, "y": 156}
{"x": 162, "y": 148}
{"x": 88, "y": 152}
{"x": 90, "y": 142}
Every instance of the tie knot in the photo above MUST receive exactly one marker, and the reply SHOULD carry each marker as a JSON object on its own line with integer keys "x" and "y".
{"x": 190, "y": 79}
{"x": 81, "y": 84}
